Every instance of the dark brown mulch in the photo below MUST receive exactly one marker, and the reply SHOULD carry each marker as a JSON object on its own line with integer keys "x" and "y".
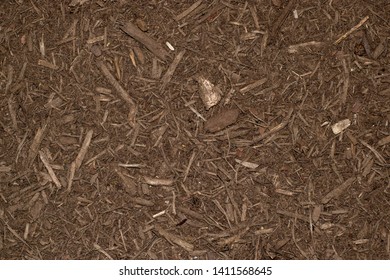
{"x": 262, "y": 133}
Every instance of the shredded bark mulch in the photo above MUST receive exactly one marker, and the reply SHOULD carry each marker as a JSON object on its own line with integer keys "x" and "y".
{"x": 195, "y": 129}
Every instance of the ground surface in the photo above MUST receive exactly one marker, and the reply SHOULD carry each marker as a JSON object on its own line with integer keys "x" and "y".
{"x": 107, "y": 149}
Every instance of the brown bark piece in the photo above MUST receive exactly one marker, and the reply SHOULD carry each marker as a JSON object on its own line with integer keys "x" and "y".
{"x": 171, "y": 70}
{"x": 282, "y": 17}
{"x": 155, "y": 47}
{"x": 337, "y": 191}
{"x": 222, "y": 120}
{"x": 175, "y": 239}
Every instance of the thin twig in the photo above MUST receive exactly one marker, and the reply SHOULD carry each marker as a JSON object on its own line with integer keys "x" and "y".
{"x": 353, "y": 29}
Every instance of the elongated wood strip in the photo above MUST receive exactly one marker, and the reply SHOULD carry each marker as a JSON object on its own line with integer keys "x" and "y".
{"x": 293, "y": 215}
{"x": 190, "y": 213}
{"x": 83, "y": 150}
{"x": 101, "y": 250}
{"x": 16, "y": 234}
{"x": 158, "y": 181}
{"x": 275, "y": 129}
{"x": 337, "y": 191}
{"x": 111, "y": 79}
{"x": 222, "y": 120}
{"x": 155, "y": 47}
{"x": 32, "y": 153}
{"x": 353, "y": 29}
{"x": 282, "y": 17}
{"x": 49, "y": 169}
{"x": 253, "y": 85}
{"x": 175, "y": 239}
{"x": 140, "y": 201}
{"x": 171, "y": 70}
{"x": 188, "y": 11}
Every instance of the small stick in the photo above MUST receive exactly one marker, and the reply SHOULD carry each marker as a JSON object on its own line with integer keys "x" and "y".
{"x": 128, "y": 182}
{"x": 157, "y": 181}
{"x": 9, "y": 78}
{"x": 376, "y": 153}
{"x": 190, "y": 213}
{"x": 189, "y": 166}
{"x": 111, "y": 79}
{"x": 253, "y": 85}
{"x": 95, "y": 157}
{"x": 32, "y": 153}
{"x": 175, "y": 239}
{"x": 22, "y": 72}
{"x": 337, "y": 191}
{"x": 72, "y": 171}
{"x": 252, "y": 9}
{"x": 133, "y": 31}
{"x": 384, "y": 141}
{"x": 173, "y": 202}
{"x": 296, "y": 48}
{"x": 100, "y": 249}
{"x": 280, "y": 20}
{"x": 83, "y": 150}
{"x": 75, "y": 165}
{"x": 12, "y": 112}
{"x": 11, "y": 106}
{"x": 140, "y": 201}
{"x": 293, "y": 215}
{"x": 213, "y": 11}
{"x": 353, "y": 29}
{"x": 344, "y": 95}
{"x": 188, "y": 104}
{"x": 187, "y": 11}
{"x": 168, "y": 75}
{"x": 275, "y": 129}
{"x": 53, "y": 176}
{"x": 16, "y": 234}
{"x": 47, "y": 64}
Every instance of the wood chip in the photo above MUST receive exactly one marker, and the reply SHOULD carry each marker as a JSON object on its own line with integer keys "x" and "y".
{"x": 49, "y": 169}
{"x": 222, "y": 120}
{"x": 384, "y": 141}
{"x": 190, "y": 213}
{"x": 209, "y": 93}
{"x": 303, "y": 46}
{"x": 187, "y": 11}
{"x": 175, "y": 239}
{"x": 335, "y": 193}
{"x": 151, "y": 44}
{"x": 128, "y": 183}
{"x": 275, "y": 129}
{"x": 100, "y": 249}
{"x": 341, "y": 126}
{"x": 353, "y": 29}
{"x": 83, "y": 150}
{"x": 96, "y": 50}
{"x": 264, "y": 231}
{"x": 35, "y": 145}
{"x": 4, "y": 168}
{"x": 376, "y": 153}
{"x": 247, "y": 164}
{"x": 168, "y": 75}
{"x": 47, "y": 64}
{"x": 158, "y": 181}
{"x": 282, "y": 17}
{"x": 122, "y": 92}
{"x": 140, "y": 201}
{"x": 293, "y": 215}
{"x": 284, "y": 192}
{"x": 315, "y": 215}
{"x": 253, "y": 85}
